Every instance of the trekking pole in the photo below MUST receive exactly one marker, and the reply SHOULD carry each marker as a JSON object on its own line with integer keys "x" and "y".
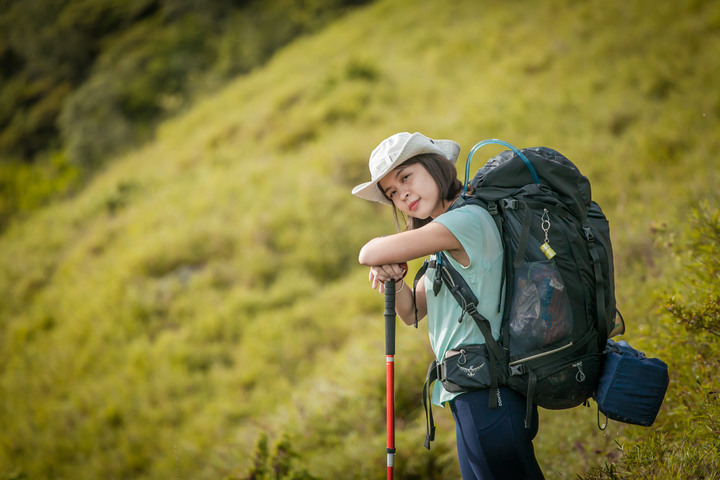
{"x": 390, "y": 373}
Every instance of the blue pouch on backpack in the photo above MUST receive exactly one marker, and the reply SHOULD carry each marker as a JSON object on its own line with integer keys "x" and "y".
{"x": 631, "y": 386}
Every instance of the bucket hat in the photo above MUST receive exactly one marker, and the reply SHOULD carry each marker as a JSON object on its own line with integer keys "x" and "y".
{"x": 395, "y": 150}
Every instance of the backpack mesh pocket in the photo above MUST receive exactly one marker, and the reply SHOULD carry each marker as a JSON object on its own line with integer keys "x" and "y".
{"x": 540, "y": 314}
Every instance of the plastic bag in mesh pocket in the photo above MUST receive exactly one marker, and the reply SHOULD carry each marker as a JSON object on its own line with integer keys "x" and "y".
{"x": 540, "y": 314}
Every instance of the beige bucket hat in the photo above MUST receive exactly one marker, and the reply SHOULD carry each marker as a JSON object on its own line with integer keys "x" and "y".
{"x": 395, "y": 150}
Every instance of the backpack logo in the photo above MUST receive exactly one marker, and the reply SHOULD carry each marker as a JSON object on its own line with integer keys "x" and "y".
{"x": 471, "y": 371}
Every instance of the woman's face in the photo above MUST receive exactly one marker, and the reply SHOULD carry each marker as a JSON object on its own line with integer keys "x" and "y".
{"x": 413, "y": 191}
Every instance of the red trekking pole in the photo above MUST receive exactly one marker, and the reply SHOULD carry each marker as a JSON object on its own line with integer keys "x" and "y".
{"x": 390, "y": 373}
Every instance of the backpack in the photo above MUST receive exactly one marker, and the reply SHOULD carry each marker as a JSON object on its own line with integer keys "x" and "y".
{"x": 558, "y": 305}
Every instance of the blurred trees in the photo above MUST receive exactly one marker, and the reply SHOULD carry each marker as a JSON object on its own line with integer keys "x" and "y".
{"x": 47, "y": 49}
{"x": 84, "y": 80}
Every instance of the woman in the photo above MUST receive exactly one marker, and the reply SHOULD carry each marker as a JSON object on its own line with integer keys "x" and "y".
{"x": 417, "y": 176}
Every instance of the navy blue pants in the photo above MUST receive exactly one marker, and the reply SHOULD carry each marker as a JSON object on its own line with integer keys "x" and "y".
{"x": 493, "y": 443}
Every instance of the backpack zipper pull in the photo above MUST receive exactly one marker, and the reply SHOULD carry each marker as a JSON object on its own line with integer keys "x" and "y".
{"x": 580, "y": 375}
{"x": 547, "y": 250}
{"x": 545, "y": 247}
{"x": 462, "y": 360}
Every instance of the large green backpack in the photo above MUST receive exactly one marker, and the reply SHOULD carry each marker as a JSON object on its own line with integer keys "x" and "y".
{"x": 559, "y": 295}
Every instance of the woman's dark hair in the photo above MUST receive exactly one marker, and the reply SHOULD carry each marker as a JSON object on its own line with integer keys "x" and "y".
{"x": 443, "y": 172}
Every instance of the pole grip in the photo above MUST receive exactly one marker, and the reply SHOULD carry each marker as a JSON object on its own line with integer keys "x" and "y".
{"x": 390, "y": 317}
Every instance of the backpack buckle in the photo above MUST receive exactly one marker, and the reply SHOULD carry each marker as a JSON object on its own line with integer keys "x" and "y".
{"x": 510, "y": 203}
{"x": 588, "y": 234}
{"x": 439, "y": 368}
{"x": 492, "y": 208}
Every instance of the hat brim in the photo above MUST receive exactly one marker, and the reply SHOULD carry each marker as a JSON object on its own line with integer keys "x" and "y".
{"x": 415, "y": 145}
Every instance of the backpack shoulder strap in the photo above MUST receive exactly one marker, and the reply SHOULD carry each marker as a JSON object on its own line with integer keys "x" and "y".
{"x": 467, "y": 300}
{"x": 493, "y": 207}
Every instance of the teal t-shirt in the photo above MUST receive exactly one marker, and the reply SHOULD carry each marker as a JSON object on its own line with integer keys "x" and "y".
{"x": 475, "y": 229}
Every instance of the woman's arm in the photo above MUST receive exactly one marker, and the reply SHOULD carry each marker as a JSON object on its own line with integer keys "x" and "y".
{"x": 412, "y": 244}
{"x": 384, "y": 254}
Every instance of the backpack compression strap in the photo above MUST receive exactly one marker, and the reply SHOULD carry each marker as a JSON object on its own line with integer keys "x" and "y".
{"x": 419, "y": 274}
{"x": 432, "y": 375}
{"x": 599, "y": 290}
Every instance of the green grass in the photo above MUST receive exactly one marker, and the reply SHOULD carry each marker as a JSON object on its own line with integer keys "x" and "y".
{"x": 204, "y": 291}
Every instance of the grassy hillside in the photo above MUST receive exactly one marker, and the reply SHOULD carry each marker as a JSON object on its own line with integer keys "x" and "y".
{"x": 203, "y": 292}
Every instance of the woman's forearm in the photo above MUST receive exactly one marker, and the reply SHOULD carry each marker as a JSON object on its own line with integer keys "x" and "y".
{"x": 409, "y": 245}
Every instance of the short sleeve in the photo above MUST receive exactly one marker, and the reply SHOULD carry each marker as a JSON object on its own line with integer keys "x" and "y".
{"x": 476, "y": 231}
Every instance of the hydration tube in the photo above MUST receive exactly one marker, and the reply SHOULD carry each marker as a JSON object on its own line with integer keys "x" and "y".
{"x": 490, "y": 141}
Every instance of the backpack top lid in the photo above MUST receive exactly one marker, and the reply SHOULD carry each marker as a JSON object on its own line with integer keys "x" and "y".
{"x": 508, "y": 170}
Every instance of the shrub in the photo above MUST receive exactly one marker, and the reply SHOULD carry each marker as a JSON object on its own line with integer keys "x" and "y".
{"x": 278, "y": 466}
{"x": 26, "y": 187}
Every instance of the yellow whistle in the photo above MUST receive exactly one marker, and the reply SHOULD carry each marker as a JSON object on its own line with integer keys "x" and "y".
{"x": 547, "y": 250}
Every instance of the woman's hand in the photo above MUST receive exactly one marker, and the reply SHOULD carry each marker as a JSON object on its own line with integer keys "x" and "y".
{"x": 382, "y": 273}
{"x": 405, "y": 299}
